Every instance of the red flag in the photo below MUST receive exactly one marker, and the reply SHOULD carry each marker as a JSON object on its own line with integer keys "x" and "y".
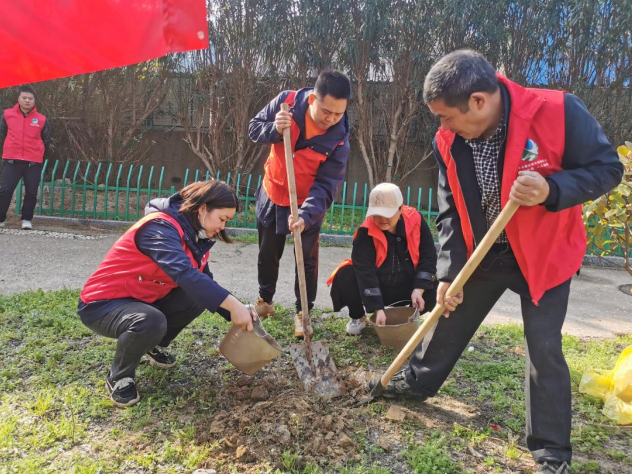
{"x": 48, "y": 39}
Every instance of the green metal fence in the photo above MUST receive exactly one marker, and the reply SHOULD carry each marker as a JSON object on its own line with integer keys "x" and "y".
{"x": 88, "y": 190}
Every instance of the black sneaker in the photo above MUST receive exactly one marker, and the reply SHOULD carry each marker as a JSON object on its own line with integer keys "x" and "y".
{"x": 550, "y": 467}
{"x": 123, "y": 392}
{"x": 160, "y": 357}
{"x": 399, "y": 388}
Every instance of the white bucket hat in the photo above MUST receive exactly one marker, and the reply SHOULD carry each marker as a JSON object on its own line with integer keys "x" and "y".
{"x": 385, "y": 199}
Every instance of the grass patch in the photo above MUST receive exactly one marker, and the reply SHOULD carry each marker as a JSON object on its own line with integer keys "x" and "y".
{"x": 492, "y": 375}
{"x": 55, "y": 416}
{"x": 250, "y": 238}
{"x": 431, "y": 456}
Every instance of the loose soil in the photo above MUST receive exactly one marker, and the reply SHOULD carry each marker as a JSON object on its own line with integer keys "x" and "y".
{"x": 261, "y": 417}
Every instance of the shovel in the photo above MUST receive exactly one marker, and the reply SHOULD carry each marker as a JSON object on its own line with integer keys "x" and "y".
{"x": 312, "y": 360}
{"x": 457, "y": 285}
{"x": 249, "y": 351}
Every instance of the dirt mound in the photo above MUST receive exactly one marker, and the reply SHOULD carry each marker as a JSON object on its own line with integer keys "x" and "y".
{"x": 269, "y": 420}
{"x": 266, "y": 418}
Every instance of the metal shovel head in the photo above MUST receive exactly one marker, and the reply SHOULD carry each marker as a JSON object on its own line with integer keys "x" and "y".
{"x": 376, "y": 392}
{"x": 321, "y": 375}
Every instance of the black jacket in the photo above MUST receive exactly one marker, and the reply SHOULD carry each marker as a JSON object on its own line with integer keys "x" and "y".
{"x": 371, "y": 279}
{"x": 591, "y": 168}
{"x": 160, "y": 241}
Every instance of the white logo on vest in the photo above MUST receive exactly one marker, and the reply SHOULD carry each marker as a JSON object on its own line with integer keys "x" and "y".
{"x": 530, "y": 151}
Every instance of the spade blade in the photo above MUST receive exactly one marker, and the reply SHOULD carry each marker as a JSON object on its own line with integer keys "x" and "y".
{"x": 318, "y": 372}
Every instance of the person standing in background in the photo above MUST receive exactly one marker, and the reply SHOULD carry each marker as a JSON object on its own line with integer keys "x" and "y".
{"x": 24, "y": 136}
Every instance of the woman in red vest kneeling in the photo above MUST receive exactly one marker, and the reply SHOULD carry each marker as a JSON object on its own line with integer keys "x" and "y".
{"x": 393, "y": 260}
{"x": 155, "y": 281}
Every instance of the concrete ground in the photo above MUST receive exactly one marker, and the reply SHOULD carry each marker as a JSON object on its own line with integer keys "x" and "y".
{"x": 53, "y": 257}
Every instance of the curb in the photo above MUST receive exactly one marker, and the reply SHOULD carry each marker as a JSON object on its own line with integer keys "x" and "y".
{"x": 589, "y": 260}
{"x": 94, "y": 223}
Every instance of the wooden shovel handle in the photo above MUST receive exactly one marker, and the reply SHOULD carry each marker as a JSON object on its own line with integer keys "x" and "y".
{"x": 298, "y": 244}
{"x": 457, "y": 285}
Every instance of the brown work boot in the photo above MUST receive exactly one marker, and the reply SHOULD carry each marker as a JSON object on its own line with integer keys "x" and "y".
{"x": 299, "y": 333}
{"x": 264, "y": 309}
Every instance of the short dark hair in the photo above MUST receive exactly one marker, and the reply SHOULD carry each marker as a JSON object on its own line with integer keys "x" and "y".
{"x": 456, "y": 76}
{"x": 333, "y": 83}
{"x": 26, "y": 88}
{"x": 215, "y": 194}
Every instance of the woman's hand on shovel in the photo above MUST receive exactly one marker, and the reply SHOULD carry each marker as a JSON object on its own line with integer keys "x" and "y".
{"x": 239, "y": 313}
{"x": 451, "y": 302}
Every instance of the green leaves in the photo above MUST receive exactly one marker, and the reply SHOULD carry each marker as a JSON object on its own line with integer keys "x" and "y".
{"x": 608, "y": 220}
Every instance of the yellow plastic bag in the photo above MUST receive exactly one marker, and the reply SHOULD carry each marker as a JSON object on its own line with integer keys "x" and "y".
{"x": 597, "y": 383}
{"x": 617, "y": 410}
{"x": 622, "y": 376}
{"x": 614, "y": 387}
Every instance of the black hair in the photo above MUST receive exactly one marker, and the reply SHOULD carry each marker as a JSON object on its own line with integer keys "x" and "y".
{"x": 215, "y": 194}
{"x": 456, "y": 76}
{"x": 333, "y": 83}
{"x": 26, "y": 88}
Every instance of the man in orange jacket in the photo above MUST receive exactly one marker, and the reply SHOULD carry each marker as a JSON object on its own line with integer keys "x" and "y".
{"x": 542, "y": 149}
{"x": 319, "y": 130}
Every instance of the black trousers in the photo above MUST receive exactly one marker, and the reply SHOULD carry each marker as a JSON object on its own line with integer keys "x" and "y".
{"x": 139, "y": 327}
{"x": 12, "y": 172}
{"x": 346, "y": 292}
{"x": 271, "y": 246}
{"x": 547, "y": 379}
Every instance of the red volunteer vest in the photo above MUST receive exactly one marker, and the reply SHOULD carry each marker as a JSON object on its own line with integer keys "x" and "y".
{"x": 126, "y": 272}
{"x": 549, "y": 246}
{"x": 306, "y": 163}
{"x": 412, "y": 224}
{"x": 24, "y": 136}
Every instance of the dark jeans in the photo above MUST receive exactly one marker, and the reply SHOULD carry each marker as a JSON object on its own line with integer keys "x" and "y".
{"x": 12, "y": 172}
{"x": 139, "y": 327}
{"x": 547, "y": 380}
{"x": 271, "y": 246}
{"x": 345, "y": 292}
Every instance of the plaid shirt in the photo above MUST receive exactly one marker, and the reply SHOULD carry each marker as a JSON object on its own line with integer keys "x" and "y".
{"x": 485, "y": 154}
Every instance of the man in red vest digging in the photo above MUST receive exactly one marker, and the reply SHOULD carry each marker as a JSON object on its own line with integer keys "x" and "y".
{"x": 542, "y": 149}
{"x": 319, "y": 130}
{"x": 26, "y": 135}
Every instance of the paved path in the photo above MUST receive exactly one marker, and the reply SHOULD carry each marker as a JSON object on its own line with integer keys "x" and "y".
{"x": 54, "y": 258}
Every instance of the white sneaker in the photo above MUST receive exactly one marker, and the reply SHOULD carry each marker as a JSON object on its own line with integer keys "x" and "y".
{"x": 1, "y": 225}
{"x": 355, "y": 326}
{"x": 27, "y": 225}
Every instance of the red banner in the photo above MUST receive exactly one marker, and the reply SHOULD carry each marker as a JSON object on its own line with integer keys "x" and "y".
{"x": 48, "y": 39}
